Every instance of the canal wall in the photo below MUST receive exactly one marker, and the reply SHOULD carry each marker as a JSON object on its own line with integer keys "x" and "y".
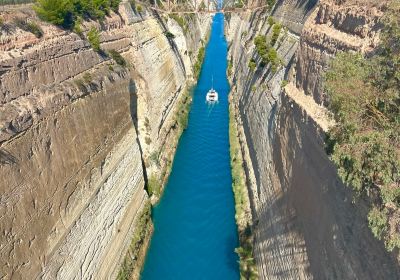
{"x": 78, "y": 135}
{"x": 306, "y": 223}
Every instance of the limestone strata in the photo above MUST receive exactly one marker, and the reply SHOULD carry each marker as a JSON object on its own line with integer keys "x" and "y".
{"x": 306, "y": 225}
{"x": 335, "y": 26}
{"x": 72, "y": 138}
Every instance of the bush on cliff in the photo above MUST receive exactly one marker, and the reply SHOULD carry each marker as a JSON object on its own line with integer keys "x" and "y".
{"x": 135, "y": 256}
{"x": 29, "y": 27}
{"x": 365, "y": 143}
{"x": 267, "y": 52}
{"x": 118, "y": 58}
{"x": 94, "y": 39}
{"x": 270, "y": 3}
{"x": 199, "y": 62}
{"x": 65, "y": 12}
{"x": 276, "y": 31}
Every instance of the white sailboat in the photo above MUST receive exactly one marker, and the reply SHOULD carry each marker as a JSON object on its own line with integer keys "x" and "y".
{"x": 212, "y": 94}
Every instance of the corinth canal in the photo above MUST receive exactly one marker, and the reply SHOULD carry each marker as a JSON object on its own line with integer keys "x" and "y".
{"x": 195, "y": 234}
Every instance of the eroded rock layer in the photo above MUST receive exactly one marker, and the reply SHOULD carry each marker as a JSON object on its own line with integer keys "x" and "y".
{"x": 73, "y": 137}
{"x": 305, "y": 223}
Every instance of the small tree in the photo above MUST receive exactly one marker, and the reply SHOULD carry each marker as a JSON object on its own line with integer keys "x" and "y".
{"x": 94, "y": 39}
{"x": 58, "y": 12}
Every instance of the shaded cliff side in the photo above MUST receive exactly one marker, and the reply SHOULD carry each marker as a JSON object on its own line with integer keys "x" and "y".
{"x": 73, "y": 137}
{"x": 306, "y": 224}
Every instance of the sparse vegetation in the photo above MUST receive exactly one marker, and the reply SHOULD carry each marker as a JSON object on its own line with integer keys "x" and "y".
{"x": 1, "y": 22}
{"x": 93, "y": 37}
{"x": 154, "y": 186}
{"x": 199, "y": 62}
{"x": 202, "y": 6}
{"x": 169, "y": 35}
{"x": 248, "y": 269}
{"x": 181, "y": 21}
{"x": 147, "y": 139}
{"x": 271, "y": 21}
{"x": 365, "y": 143}
{"x": 284, "y": 83}
{"x": 77, "y": 27}
{"x": 267, "y": 53}
{"x": 142, "y": 230}
{"x": 252, "y": 65}
{"x": 230, "y": 67}
{"x": 183, "y": 108}
{"x": 276, "y": 31}
{"x": 87, "y": 77}
{"x": 29, "y": 27}
{"x": 118, "y": 58}
{"x": 270, "y": 3}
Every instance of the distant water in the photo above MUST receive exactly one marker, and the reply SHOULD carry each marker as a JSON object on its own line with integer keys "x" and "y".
{"x": 195, "y": 232}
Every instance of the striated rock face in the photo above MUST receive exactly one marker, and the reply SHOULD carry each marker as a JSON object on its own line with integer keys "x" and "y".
{"x": 335, "y": 26}
{"x": 72, "y": 138}
{"x": 305, "y": 223}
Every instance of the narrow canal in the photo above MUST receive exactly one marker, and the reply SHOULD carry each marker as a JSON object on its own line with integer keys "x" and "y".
{"x": 194, "y": 224}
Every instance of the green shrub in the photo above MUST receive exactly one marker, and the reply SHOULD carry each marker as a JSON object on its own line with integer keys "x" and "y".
{"x": 118, "y": 58}
{"x": 77, "y": 27}
{"x": 58, "y": 12}
{"x": 142, "y": 229}
{"x": 271, "y": 21}
{"x": 180, "y": 20}
{"x": 276, "y": 30}
{"x": 267, "y": 53}
{"x": 147, "y": 140}
{"x": 30, "y": 27}
{"x": 239, "y": 4}
{"x": 114, "y": 4}
{"x": 270, "y": 3}
{"x": 1, "y": 22}
{"x": 230, "y": 67}
{"x": 248, "y": 268}
{"x": 252, "y": 65}
{"x": 139, "y": 9}
{"x": 93, "y": 37}
{"x": 377, "y": 222}
{"x": 153, "y": 185}
{"x": 202, "y": 6}
{"x": 169, "y": 35}
{"x": 284, "y": 83}
{"x": 199, "y": 62}
{"x": 65, "y": 12}
{"x": 87, "y": 77}
{"x": 365, "y": 143}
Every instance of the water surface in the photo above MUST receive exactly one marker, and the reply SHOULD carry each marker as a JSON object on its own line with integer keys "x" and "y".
{"x": 194, "y": 224}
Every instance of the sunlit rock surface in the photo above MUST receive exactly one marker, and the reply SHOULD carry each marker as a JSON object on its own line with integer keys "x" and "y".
{"x": 72, "y": 138}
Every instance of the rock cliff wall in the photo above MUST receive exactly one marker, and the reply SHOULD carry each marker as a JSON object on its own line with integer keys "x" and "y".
{"x": 306, "y": 224}
{"x": 73, "y": 129}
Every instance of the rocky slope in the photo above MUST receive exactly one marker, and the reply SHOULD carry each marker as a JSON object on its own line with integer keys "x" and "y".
{"x": 306, "y": 224}
{"x": 73, "y": 137}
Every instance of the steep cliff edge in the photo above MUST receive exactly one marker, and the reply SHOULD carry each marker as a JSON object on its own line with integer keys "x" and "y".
{"x": 73, "y": 137}
{"x": 305, "y": 223}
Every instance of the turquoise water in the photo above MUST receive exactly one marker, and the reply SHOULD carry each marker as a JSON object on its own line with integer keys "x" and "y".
{"x": 194, "y": 224}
